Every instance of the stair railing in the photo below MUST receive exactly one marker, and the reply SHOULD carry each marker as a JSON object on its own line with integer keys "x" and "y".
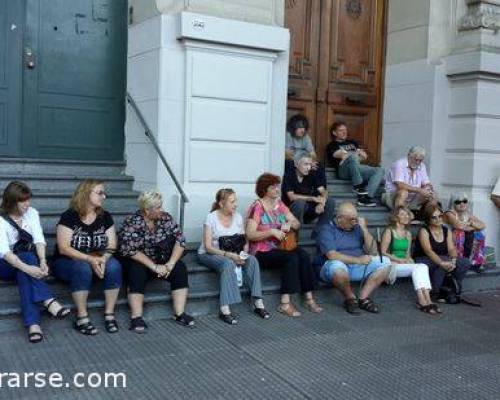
{"x": 152, "y": 139}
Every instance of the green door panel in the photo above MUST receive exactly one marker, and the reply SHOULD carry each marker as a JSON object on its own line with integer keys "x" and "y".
{"x": 11, "y": 33}
{"x": 73, "y": 96}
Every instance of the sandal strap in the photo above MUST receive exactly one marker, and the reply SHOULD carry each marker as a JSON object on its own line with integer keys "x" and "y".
{"x": 137, "y": 322}
{"x": 184, "y": 319}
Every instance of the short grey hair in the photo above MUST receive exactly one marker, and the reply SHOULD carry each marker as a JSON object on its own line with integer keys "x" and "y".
{"x": 299, "y": 155}
{"x": 149, "y": 199}
{"x": 417, "y": 151}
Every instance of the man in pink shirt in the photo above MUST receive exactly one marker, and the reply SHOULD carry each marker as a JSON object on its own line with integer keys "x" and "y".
{"x": 407, "y": 183}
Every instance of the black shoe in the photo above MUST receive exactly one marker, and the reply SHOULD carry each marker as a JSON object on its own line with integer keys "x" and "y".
{"x": 228, "y": 318}
{"x": 351, "y": 306}
{"x": 360, "y": 190}
{"x": 366, "y": 201}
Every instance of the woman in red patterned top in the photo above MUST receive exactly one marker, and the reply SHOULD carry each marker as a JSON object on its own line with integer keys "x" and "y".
{"x": 269, "y": 220}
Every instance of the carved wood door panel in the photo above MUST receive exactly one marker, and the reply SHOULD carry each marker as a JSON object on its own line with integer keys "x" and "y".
{"x": 349, "y": 73}
{"x": 301, "y": 18}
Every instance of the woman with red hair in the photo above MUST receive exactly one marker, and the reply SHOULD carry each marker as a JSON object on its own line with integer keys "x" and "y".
{"x": 269, "y": 221}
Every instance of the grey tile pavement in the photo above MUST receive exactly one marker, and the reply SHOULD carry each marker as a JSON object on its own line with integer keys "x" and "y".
{"x": 398, "y": 354}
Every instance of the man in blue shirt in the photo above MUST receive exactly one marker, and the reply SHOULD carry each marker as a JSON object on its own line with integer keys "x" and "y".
{"x": 344, "y": 245}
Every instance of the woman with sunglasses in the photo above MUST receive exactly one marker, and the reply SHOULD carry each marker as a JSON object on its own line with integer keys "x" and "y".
{"x": 468, "y": 234}
{"x": 268, "y": 222}
{"x": 435, "y": 247}
{"x": 86, "y": 242}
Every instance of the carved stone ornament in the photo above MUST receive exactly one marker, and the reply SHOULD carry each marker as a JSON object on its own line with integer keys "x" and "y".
{"x": 354, "y": 8}
{"x": 483, "y": 15}
{"x": 290, "y": 3}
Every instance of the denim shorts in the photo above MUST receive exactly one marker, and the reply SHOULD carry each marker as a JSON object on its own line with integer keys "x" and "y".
{"x": 355, "y": 271}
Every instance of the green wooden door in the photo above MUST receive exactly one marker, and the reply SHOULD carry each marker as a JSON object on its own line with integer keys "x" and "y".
{"x": 11, "y": 34}
{"x": 74, "y": 63}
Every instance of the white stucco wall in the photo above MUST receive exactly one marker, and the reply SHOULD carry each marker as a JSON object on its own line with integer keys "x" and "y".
{"x": 214, "y": 92}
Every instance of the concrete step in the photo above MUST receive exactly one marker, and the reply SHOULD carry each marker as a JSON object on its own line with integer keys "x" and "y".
{"x": 33, "y": 166}
{"x": 65, "y": 182}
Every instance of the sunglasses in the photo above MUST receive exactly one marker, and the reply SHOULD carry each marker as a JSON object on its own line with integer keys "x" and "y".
{"x": 457, "y": 202}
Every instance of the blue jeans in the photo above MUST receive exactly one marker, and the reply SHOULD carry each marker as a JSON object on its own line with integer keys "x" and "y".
{"x": 79, "y": 273}
{"x": 31, "y": 290}
{"x": 352, "y": 169}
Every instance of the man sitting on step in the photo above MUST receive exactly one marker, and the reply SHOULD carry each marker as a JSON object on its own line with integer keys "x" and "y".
{"x": 407, "y": 183}
{"x": 346, "y": 155}
{"x": 344, "y": 246}
{"x": 304, "y": 194}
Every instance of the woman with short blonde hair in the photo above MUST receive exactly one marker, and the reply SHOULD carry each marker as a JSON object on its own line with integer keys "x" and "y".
{"x": 151, "y": 245}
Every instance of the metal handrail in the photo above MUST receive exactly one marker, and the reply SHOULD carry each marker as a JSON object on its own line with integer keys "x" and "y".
{"x": 149, "y": 134}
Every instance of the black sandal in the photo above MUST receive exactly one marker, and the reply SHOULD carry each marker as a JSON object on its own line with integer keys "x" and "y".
{"x": 110, "y": 324}
{"x": 85, "y": 328}
{"x": 262, "y": 312}
{"x": 436, "y": 308}
{"x": 428, "y": 309}
{"x": 185, "y": 320}
{"x": 352, "y": 306}
{"x": 368, "y": 305}
{"x": 62, "y": 313}
{"x": 138, "y": 325}
{"x": 228, "y": 318}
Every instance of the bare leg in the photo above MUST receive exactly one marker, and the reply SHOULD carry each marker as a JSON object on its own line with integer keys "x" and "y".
{"x": 80, "y": 299}
{"x": 373, "y": 282}
{"x": 179, "y": 298}
{"x": 135, "y": 302}
{"x": 110, "y": 297}
{"x": 342, "y": 283}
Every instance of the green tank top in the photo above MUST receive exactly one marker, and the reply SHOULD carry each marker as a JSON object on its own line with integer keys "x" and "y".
{"x": 399, "y": 246}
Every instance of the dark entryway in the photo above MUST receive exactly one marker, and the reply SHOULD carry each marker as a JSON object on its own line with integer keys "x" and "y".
{"x": 62, "y": 78}
{"x": 336, "y": 67}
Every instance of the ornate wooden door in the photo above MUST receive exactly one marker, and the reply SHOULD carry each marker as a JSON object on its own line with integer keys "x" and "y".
{"x": 348, "y": 76}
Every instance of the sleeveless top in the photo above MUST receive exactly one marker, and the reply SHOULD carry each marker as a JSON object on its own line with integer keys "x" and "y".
{"x": 440, "y": 248}
{"x": 399, "y": 246}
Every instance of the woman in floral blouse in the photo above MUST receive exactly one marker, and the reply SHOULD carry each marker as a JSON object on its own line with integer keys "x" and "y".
{"x": 152, "y": 244}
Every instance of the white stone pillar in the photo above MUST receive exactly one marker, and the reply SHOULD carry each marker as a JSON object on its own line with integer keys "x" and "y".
{"x": 471, "y": 161}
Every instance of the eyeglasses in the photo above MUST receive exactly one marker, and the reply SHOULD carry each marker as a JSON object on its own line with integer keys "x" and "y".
{"x": 457, "y": 202}
{"x": 353, "y": 220}
{"x": 436, "y": 217}
{"x": 100, "y": 193}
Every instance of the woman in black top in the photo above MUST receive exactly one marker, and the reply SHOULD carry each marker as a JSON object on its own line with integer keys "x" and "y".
{"x": 435, "y": 247}
{"x": 86, "y": 241}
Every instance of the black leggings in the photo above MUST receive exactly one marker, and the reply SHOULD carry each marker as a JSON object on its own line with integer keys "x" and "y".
{"x": 137, "y": 275}
{"x": 297, "y": 274}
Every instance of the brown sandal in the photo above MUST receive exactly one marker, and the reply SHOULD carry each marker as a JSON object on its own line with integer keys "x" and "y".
{"x": 312, "y": 306}
{"x": 289, "y": 310}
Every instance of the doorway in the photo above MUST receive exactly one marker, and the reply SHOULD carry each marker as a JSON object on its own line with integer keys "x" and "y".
{"x": 62, "y": 78}
{"x": 336, "y": 68}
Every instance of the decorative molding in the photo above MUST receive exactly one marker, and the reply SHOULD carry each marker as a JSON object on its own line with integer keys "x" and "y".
{"x": 354, "y": 8}
{"x": 481, "y": 14}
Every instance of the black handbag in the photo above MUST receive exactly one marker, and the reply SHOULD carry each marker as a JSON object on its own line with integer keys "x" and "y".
{"x": 164, "y": 249}
{"x": 24, "y": 242}
{"x": 233, "y": 244}
{"x": 451, "y": 290}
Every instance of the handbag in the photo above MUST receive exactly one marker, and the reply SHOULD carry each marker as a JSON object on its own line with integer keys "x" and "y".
{"x": 233, "y": 243}
{"x": 289, "y": 243}
{"x": 451, "y": 290}
{"x": 24, "y": 242}
{"x": 164, "y": 249}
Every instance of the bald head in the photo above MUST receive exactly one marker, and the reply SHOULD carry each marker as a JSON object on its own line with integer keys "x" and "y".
{"x": 346, "y": 208}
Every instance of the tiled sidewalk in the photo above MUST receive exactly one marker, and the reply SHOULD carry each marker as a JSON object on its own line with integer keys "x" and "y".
{"x": 399, "y": 354}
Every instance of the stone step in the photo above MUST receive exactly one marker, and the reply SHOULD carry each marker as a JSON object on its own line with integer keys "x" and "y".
{"x": 31, "y": 166}
{"x": 66, "y": 183}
